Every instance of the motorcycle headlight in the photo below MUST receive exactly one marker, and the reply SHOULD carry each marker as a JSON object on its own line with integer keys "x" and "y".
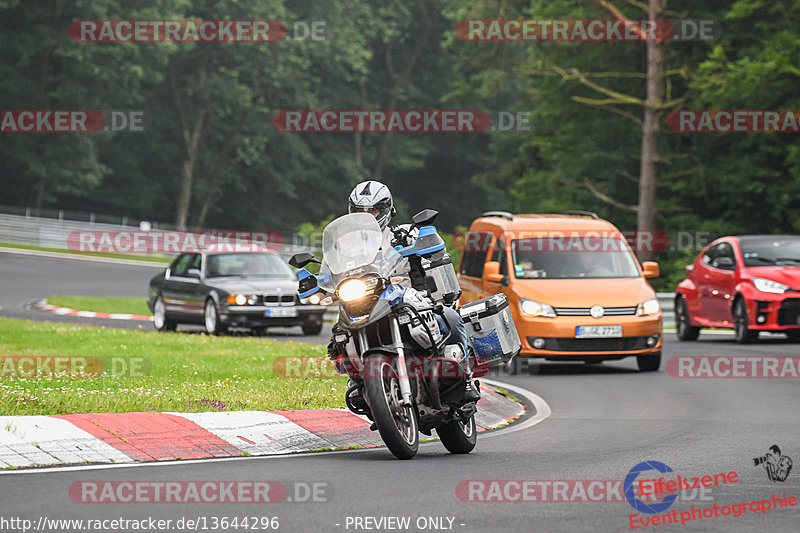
{"x": 767, "y": 285}
{"x": 531, "y": 308}
{"x": 351, "y": 290}
{"x": 648, "y": 307}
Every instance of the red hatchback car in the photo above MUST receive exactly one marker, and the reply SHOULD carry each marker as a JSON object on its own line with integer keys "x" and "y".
{"x": 750, "y": 283}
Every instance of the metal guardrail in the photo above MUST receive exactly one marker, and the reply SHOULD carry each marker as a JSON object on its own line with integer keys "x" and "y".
{"x": 667, "y": 301}
{"x": 54, "y": 232}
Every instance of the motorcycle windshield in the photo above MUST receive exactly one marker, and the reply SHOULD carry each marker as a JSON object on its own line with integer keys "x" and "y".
{"x": 351, "y": 247}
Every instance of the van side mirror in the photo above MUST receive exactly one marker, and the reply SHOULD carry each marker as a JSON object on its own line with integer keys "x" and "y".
{"x": 302, "y": 259}
{"x": 193, "y": 273}
{"x": 650, "y": 269}
{"x": 424, "y": 217}
{"x": 491, "y": 272}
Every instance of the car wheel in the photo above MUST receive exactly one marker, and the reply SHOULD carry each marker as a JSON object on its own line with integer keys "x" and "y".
{"x": 211, "y": 318}
{"x": 793, "y": 335}
{"x": 683, "y": 326}
{"x": 160, "y": 319}
{"x": 741, "y": 322}
{"x": 312, "y": 328}
{"x": 648, "y": 363}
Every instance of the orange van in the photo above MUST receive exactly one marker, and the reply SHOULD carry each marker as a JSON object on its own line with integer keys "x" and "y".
{"x": 575, "y": 288}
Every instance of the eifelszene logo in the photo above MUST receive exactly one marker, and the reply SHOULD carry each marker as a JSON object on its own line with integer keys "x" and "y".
{"x": 630, "y": 484}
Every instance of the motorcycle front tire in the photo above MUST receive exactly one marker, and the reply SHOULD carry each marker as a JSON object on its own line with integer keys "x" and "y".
{"x": 397, "y": 424}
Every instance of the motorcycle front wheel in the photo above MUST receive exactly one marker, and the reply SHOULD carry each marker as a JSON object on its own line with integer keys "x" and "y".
{"x": 397, "y": 424}
{"x": 457, "y": 436}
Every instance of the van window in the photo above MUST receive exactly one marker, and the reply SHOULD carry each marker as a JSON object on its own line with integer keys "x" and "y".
{"x": 559, "y": 258}
{"x": 476, "y": 246}
{"x": 499, "y": 255}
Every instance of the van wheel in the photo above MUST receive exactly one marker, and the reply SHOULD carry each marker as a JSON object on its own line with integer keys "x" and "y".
{"x": 648, "y": 363}
{"x": 683, "y": 325}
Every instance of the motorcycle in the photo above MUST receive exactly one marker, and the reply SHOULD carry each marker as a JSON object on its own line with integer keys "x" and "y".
{"x": 405, "y": 375}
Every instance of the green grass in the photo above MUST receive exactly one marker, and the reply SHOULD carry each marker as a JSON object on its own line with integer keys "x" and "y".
{"x": 172, "y": 372}
{"x": 154, "y": 259}
{"x": 134, "y": 306}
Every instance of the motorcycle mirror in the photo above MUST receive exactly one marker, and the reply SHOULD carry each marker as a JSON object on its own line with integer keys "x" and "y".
{"x": 424, "y": 217}
{"x": 302, "y": 259}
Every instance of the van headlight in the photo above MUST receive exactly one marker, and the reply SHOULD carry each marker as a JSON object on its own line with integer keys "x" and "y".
{"x": 531, "y": 308}
{"x": 648, "y": 307}
{"x": 767, "y": 285}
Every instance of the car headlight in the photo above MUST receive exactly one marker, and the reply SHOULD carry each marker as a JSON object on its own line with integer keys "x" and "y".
{"x": 648, "y": 307}
{"x": 531, "y": 308}
{"x": 351, "y": 290}
{"x": 314, "y": 299}
{"x": 238, "y": 299}
{"x": 767, "y": 285}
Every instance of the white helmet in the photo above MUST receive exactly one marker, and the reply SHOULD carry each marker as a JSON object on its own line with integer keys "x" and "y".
{"x": 372, "y": 197}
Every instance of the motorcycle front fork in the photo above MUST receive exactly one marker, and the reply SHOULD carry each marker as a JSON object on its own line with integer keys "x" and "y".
{"x": 402, "y": 371}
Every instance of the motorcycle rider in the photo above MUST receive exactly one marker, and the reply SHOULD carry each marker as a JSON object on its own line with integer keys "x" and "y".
{"x": 375, "y": 198}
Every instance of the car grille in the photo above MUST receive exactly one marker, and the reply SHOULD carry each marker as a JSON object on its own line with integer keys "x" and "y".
{"x": 585, "y": 311}
{"x": 569, "y": 344}
{"x": 789, "y": 312}
{"x": 279, "y": 299}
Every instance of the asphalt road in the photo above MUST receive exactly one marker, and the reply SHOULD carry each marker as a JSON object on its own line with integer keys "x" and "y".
{"x": 26, "y": 279}
{"x": 605, "y": 419}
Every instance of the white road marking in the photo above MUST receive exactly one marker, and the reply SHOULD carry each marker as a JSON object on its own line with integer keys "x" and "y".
{"x": 132, "y": 262}
{"x": 542, "y": 412}
{"x": 542, "y": 408}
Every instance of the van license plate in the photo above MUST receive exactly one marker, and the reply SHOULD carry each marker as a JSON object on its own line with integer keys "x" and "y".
{"x": 281, "y": 313}
{"x": 595, "y": 332}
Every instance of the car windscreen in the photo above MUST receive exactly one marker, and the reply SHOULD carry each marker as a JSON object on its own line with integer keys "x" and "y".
{"x": 247, "y": 265}
{"x": 770, "y": 251}
{"x": 563, "y": 258}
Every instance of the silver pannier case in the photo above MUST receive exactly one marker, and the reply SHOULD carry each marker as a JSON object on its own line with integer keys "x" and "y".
{"x": 441, "y": 278}
{"x": 490, "y": 329}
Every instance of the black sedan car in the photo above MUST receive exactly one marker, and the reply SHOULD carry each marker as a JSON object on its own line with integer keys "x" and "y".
{"x": 255, "y": 290}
